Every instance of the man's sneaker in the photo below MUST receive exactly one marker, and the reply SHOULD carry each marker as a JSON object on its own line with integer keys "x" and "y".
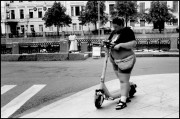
{"x": 132, "y": 90}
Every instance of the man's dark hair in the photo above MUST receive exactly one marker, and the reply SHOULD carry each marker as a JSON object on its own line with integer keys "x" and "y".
{"x": 118, "y": 20}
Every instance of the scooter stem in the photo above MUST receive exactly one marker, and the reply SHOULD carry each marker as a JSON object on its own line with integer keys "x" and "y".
{"x": 105, "y": 66}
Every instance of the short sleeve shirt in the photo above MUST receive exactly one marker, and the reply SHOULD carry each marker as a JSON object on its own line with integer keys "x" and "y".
{"x": 125, "y": 35}
{"x": 122, "y": 36}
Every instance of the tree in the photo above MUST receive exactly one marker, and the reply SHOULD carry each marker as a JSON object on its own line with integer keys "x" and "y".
{"x": 90, "y": 15}
{"x": 126, "y": 9}
{"x": 158, "y": 14}
{"x": 56, "y": 16}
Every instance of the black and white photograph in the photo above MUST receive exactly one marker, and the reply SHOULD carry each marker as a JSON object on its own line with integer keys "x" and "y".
{"x": 89, "y": 59}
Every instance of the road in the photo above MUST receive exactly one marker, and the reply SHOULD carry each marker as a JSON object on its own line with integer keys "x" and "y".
{"x": 58, "y": 79}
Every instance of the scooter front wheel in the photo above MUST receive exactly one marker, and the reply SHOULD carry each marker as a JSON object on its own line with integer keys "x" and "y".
{"x": 99, "y": 98}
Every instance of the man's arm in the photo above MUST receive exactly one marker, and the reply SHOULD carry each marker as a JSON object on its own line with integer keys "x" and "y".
{"x": 127, "y": 45}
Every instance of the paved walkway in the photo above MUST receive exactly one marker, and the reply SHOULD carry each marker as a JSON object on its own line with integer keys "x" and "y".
{"x": 157, "y": 97}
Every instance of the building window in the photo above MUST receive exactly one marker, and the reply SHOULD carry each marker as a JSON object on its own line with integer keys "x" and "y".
{"x": 41, "y": 28}
{"x": 74, "y": 27}
{"x": 142, "y": 7}
{"x": 175, "y": 6}
{"x": 72, "y": 11}
{"x": 111, "y": 8}
{"x": 22, "y": 29}
{"x": 31, "y": 27}
{"x": 80, "y": 27}
{"x": 12, "y": 14}
{"x": 11, "y": 1}
{"x": 142, "y": 23}
{"x": 175, "y": 22}
{"x": 132, "y": 23}
{"x": 21, "y": 14}
{"x": 77, "y": 10}
{"x": 39, "y": 12}
{"x": 30, "y": 13}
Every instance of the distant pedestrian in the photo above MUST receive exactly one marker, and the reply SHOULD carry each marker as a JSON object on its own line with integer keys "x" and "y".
{"x": 73, "y": 44}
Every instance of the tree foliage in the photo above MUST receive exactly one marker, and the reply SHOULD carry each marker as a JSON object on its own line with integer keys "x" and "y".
{"x": 90, "y": 14}
{"x": 56, "y": 16}
{"x": 126, "y": 9}
{"x": 158, "y": 13}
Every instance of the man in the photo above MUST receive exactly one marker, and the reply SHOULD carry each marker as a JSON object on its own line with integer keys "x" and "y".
{"x": 123, "y": 39}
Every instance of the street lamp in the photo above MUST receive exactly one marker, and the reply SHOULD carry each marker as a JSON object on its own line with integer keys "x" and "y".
{"x": 27, "y": 20}
{"x": 99, "y": 20}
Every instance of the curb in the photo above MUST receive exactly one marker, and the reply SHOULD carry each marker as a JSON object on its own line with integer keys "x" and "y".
{"x": 74, "y": 56}
{"x": 147, "y": 54}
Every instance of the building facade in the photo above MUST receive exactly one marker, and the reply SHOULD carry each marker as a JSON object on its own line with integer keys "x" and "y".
{"x": 23, "y": 16}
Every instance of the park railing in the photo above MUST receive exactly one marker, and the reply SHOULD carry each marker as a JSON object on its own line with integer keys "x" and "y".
{"x": 85, "y": 33}
{"x": 85, "y": 45}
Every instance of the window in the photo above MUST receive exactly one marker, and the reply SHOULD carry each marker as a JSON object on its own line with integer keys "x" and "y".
{"x": 72, "y": 11}
{"x": 132, "y": 22}
{"x": 31, "y": 27}
{"x": 39, "y": 12}
{"x": 111, "y": 8}
{"x": 175, "y": 22}
{"x": 77, "y": 10}
{"x": 21, "y": 14}
{"x": 12, "y": 14}
{"x": 22, "y": 29}
{"x": 175, "y": 6}
{"x": 80, "y": 27}
{"x": 142, "y": 23}
{"x": 74, "y": 27}
{"x": 142, "y": 7}
{"x": 30, "y": 13}
{"x": 11, "y": 1}
{"x": 40, "y": 28}
{"x": 20, "y": 1}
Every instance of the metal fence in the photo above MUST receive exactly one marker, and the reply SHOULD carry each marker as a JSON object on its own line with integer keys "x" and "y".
{"x": 79, "y": 33}
{"x": 163, "y": 44}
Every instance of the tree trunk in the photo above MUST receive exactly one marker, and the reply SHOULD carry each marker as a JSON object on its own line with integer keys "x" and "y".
{"x": 126, "y": 20}
{"x": 95, "y": 25}
{"x": 57, "y": 30}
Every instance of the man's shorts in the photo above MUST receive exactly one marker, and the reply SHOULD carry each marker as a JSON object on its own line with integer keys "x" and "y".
{"x": 116, "y": 68}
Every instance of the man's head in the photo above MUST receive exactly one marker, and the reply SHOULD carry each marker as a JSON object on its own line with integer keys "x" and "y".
{"x": 118, "y": 23}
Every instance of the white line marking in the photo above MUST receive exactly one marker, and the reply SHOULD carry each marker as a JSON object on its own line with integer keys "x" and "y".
{"x": 5, "y": 88}
{"x": 17, "y": 102}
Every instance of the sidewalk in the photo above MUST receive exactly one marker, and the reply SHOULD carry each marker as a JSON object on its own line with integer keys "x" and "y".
{"x": 157, "y": 97}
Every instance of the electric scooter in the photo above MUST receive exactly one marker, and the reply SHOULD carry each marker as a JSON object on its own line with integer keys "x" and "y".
{"x": 102, "y": 93}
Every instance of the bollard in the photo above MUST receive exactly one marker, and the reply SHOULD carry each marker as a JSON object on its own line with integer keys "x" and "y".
{"x": 84, "y": 47}
{"x": 173, "y": 47}
{"x": 15, "y": 48}
{"x": 64, "y": 46}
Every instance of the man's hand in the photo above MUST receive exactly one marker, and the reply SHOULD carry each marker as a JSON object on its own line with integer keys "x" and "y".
{"x": 117, "y": 46}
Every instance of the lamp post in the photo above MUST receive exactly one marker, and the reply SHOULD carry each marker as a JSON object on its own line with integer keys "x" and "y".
{"x": 27, "y": 20}
{"x": 99, "y": 20}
